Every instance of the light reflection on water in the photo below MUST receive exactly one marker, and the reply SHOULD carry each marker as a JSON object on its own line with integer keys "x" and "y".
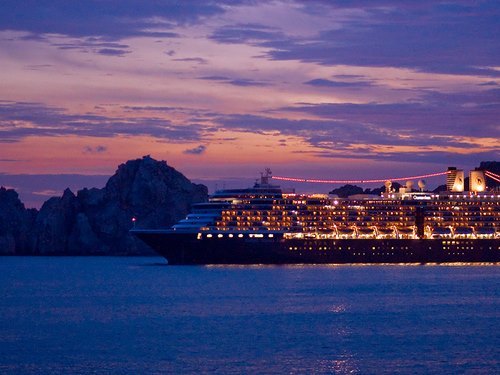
{"x": 133, "y": 315}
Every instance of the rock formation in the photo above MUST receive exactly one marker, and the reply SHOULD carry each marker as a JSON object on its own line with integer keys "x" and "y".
{"x": 151, "y": 191}
{"x": 97, "y": 221}
{"x": 16, "y": 223}
{"x": 53, "y": 223}
{"x": 492, "y": 166}
{"x": 348, "y": 190}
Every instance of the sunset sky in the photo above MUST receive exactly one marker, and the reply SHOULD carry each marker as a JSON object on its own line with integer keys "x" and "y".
{"x": 223, "y": 89}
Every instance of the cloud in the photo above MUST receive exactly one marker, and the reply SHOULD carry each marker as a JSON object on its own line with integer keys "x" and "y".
{"x": 196, "y": 151}
{"x": 195, "y": 114}
{"x": 38, "y": 66}
{"x": 434, "y": 114}
{"x": 112, "y": 52}
{"x": 424, "y": 156}
{"x": 94, "y": 150}
{"x": 490, "y": 83}
{"x": 20, "y": 119}
{"x": 245, "y": 34}
{"x": 94, "y": 45}
{"x": 334, "y": 134}
{"x": 47, "y": 193}
{"x": 433, "y": 36}
{"x": 153, "y": 108}
{"x": 319, "y": 82}
{"x": 457, "y": 123}
{"x": 198, "y": 60}
{"x": 242, "y": 82}
{"x": 113, "y": 20}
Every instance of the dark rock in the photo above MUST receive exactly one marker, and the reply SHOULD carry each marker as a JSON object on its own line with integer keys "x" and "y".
{"x": 54, "y": 223}
{"x": 97, "y": 221}
{"x": 494, "y": 167}
{"x": 346, "y": 190}
{"x": 16, "y": 223}
{"x": 440, "y": 188}
{"x": 82, "y": 236}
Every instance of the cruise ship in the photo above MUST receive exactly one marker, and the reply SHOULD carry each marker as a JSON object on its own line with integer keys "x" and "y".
{"x": 266, "y": 225}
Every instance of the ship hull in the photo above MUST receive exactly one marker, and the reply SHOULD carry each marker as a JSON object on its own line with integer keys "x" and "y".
{"x": 191, "y": 248}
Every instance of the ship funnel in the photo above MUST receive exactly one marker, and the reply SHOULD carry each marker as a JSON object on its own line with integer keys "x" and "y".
{"x": 455, "y": 180}
{"x": 477, "y": 181}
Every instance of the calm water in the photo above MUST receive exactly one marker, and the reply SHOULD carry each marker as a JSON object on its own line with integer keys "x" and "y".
{"x": 135, "y": 315}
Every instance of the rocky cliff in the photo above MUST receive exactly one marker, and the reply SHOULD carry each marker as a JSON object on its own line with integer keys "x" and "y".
{"x": 16, "y": 223}
{"x": 492, "y": 166}
{"x": 348, "y": 190}
{"x": 97, "y": 221}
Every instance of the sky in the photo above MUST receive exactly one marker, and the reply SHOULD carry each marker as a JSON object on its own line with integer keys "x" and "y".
{"x": 223, "y": 89}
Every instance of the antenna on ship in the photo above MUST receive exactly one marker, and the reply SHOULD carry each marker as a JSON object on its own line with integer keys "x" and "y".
{"x": 264, "y": 177}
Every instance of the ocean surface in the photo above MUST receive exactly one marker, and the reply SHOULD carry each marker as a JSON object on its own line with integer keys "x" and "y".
{"x": 132, "y": 315}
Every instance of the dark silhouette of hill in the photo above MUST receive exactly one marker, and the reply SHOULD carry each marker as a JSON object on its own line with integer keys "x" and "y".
{"x": 348, "y": 190}
{"x": 492, "y": 166}
{"x": 97, "y": 221}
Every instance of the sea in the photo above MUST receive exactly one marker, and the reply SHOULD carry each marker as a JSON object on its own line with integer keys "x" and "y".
{"x": 136, "y": 315}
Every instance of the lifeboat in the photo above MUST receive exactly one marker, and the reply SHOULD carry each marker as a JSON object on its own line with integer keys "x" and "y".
{"x": 485, "y": 232}
{"x": 464, "y": 232}
{"x": 442, "y": 232}
{"x": 367, "y": 232}
{"x": 386, "y": 233}
{"x": 406, "y": 232}
{"x": 346, "y": 232}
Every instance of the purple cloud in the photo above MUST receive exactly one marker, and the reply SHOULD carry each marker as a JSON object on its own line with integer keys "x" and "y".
{"x": 38, "y": 66}
{"x": 128, "y": 18}
{"x": 94, "y": 150}
{"x": 432, "y": 36}
{"x": 358, "y": 130}
{"x": 245, "y": 34}
{"x": 196, "y": 150}
{"x": 319, "y": 82}
{"x": 243, "y": 82}
{"x": 19, "y": 120}
{"x": 197, "y": 60}
{"x": 435, "y": 114}
{"x": 112, "y": 52}
{"x": 95, "y": 45}
{"x": 490, "y": 83}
